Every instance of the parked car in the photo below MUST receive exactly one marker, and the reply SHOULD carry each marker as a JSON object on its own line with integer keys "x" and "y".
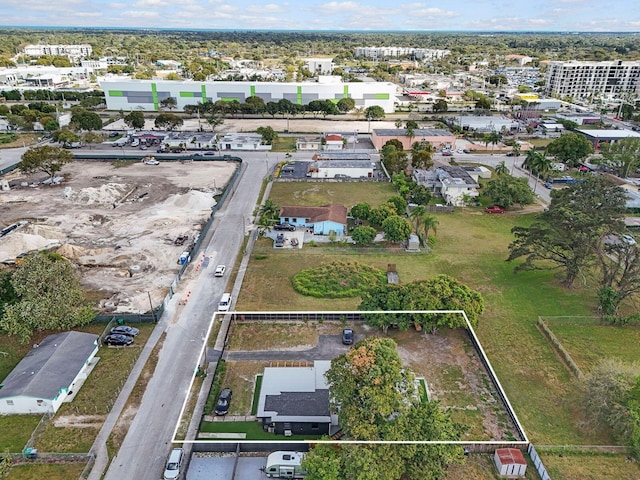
{"x": 494, "y": 209}
{"x": 220, "y": 271}
{"x": 222, "y": 407}
{"x": 113, "y": 134}
{"x": 548, "y": 185}
{"x": 174, "y": 464}
{"x": 120, "y": 340}
{"x": 152, "y": 162}
{"x": 208, "y": 153}
{"x": 628, "y": 239}
{"x": 447, "y": 153}
{"x": 284, "y": 226}
{"x": 347, "y": 336}
{"x": 280, "y": 240}
{"x": 511, "y": 154}
{"x": 125, "y": 330}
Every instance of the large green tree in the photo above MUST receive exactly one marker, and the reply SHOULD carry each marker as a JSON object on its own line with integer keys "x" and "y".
{"x": 49, "y": 297}
{"x": 374, "y": 112}
{"x": 394, "y": 159}
{"x": 567, "y": 235}
{"x": 506, "y": 191}
{"x": 396, "y": 228}
{"x": 86, "y": 120}
{"x": 623, "y": 156}
{"x": 570, "y": 148}
{"x": 134, "y": 120}
{"x": 169, "y": 121}
{"x": 422, "y": 155}
{"x": 47, "y": 159}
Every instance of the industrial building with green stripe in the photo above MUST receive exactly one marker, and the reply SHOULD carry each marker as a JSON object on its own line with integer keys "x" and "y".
{"x": 146, "y": 95}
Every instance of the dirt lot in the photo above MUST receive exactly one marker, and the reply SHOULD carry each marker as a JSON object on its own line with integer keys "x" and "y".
{"x": 117, "y": 223}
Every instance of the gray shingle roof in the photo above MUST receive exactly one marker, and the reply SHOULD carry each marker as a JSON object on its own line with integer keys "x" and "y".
{"x": 50, "y": 366}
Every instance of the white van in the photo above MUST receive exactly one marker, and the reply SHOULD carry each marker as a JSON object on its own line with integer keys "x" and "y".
{"x": 174, "y": 463}
{"x": 225, "y": 303}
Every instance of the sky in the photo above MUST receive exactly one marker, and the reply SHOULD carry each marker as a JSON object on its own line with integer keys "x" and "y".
{"x": 438, "y": 15}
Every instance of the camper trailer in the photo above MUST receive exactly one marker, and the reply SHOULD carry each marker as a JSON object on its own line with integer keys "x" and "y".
{"x": 284, "y": 464}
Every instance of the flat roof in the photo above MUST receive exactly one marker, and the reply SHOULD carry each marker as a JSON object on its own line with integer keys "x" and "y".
{"x": 609, "y": 133}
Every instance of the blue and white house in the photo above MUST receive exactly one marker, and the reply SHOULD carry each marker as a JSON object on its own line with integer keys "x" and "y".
{"x": 321, "y": 220}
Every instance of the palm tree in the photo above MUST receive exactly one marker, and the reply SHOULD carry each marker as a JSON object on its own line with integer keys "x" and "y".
{"x": 423, "y": 222}
{"x": 493, "y": 138}
{"x": 516, "y": 153}
{"x": 542, "y": 166}
{"x": 501, "y": 169}
{"x": 269, "y": 212}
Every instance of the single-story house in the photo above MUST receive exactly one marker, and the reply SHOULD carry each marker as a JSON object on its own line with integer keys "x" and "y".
{"x": 321, "y": 220}
{"x": 333, "y": 141}
{"x": 455, "y": 184}
{"x": 295, "y": 400}
{"x": 177, "y": 139}
{"x": 485, "y": 123}
{"x": 344, "y": 155}
{"x": 340, "y": 169}
{"x": 242, "y": 141}
{"x": 48, "y": 374}
{"x": 435, "y": 136}
{"x": 306, "y": 144}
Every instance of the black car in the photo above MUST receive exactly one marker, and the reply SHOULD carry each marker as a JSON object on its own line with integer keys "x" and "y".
{"x": 125, "y": 330}
{"x": 222, "y": 407}
{"x": 120, "y": 340}
{"x": 347, "y": 336}
{"x": 284, "y": 226}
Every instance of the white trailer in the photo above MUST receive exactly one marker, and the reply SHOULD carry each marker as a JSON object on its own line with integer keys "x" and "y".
{"x": 283, "y": 464}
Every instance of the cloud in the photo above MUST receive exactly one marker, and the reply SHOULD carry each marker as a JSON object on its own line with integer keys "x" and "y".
{"x": 152, "y": 3}
{"x": 341, "y": 7}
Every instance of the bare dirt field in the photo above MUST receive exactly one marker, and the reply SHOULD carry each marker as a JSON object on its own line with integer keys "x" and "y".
{"x": 117, "y": 223}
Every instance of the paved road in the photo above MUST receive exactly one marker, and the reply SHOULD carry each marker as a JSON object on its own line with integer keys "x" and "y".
{"x": 146, "y": 446}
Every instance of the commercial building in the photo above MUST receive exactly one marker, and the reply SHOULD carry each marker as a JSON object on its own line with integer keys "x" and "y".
{"x": 146, "y": 95}
{"x": 73, "y": 52}
{"x": 396, "y": 52}
{"x": 583, "y": 80}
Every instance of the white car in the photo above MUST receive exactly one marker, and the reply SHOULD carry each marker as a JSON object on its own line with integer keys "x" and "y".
{"x": 628, "y": 239}
{"x": 220, "y": 271}
{"x": 152, "y": 162}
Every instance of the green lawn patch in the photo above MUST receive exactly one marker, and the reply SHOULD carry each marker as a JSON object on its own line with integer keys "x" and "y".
{"x": 347, "y": 194}
{"x": 15, "y": 431}
{"x": 253, "y": 431}
{"x": 256, "y": 395}
{"x": 284, "y": 144}
{"x": 38, "y": 471}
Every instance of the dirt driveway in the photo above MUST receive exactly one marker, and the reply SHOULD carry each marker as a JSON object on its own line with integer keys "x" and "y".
{"x": 118, "y": 223}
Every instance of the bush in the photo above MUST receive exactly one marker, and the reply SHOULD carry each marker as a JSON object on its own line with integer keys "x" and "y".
{"x": 337, "y": 280}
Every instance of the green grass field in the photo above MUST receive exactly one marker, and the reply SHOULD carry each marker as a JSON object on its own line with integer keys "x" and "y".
{"x": 253, "y": 430}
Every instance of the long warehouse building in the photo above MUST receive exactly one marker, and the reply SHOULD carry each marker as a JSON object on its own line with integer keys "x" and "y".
{"x": 146, "y": 95}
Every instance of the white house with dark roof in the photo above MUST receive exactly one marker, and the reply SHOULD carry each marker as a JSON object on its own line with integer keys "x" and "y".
{"x": 295, "y": 400}
{"x": 455, "y": 184}
{"x": 50, "y": 373}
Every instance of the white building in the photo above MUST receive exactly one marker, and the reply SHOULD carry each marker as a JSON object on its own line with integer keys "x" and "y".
{"x": 49, "y": 374}
{"x": 146, "y": 95}
{"x": 454, "y": 184}
{"x": 319, "y": 66}
{"x": 582, "y": 80}
{"x": 73, "y": 52}
{"x": 340, "y": 169}
{"x": 242, "y": 141}
{"x": 396, "y": 52}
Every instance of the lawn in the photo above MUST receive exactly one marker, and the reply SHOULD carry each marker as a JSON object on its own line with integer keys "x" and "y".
{"x": 589, "y": 466}
{"x": 253, "y": 430}
{"x": 588, "y": 341}
{"x": 15, "y": 431}
{"x": 38, "y": 471}
{"x": 314, "y": 194}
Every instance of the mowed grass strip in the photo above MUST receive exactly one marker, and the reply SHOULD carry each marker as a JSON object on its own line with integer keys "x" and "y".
{"x": 588, "y": 343}
{"x": 253, "y": 430}
{"x": 314, "y": 194}
{"x": 38, "y": 471}
{"x": 589, "y": 466}
{"x": 15, "y": 431}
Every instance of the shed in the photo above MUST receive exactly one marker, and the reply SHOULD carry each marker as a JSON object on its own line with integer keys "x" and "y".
{"x": 413, "y": 244}
{"x": 510, "y": 462}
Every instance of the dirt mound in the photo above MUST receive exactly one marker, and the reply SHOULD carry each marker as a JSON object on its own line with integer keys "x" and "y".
{"x": 16, "y": 243}
{"x": 71, "y": 252}
{"x": 105, "y": 194}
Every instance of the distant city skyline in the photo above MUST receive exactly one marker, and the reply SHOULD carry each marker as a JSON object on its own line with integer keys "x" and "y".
{"x": 351, "y": 15}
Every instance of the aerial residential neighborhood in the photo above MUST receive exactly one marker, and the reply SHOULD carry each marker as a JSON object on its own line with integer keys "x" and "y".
{"x": 320, "y": 255}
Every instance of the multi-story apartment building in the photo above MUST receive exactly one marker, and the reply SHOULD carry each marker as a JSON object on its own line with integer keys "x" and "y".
{"x": 74, "y": 52}
{"x": 396, "y": 52}
{"x": 583, "y": 80}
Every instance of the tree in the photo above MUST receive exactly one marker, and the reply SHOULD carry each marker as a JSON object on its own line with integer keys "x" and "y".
{"x": 85, "y": 120}
{"x": 396, "y": 229}
{"x": 215, "y": 120}
{"x": 91, "y": 138}
{"x": 346, "y": 104}
{"x": 440, "y": 106}
{"x": 620, "y": 274}
{"x": 169, "y": 103}
{"x": 394, "y": 159}
{"x": 570, "y": 148}
{"x": 623, "y": 156}
{"x": 380, "y": 213}
{"x": 360, "y": 211}
{"x": 501, "y": 169}
{"x": 363, "y": 235}
{"x": 323, "y": 462}
{"x": 423, "y": 222}
{"x": 422, "y": 155}
{"x": 507, "y": 191}
{"x": 399, "y": 204}
{"x": 483, "y": 103}
{"x": 47, "y": 159}
{"x": 49, "y": 297}
{"x": 269, "y": 212}
{"x": 66, "y": 137}
{"x": 134, "y": 120}
{"x": 168, "y": 121}
{"x": 374, "y": 112}
{"x": 567, "y": 235}
{"x": 268, "y": 135}
{"x": 493, "y": 138}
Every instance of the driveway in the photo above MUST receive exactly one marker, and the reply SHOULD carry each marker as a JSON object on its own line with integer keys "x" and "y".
{"x": 327, "y": 348}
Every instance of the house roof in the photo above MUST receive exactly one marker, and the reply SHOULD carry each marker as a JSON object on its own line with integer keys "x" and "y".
{"x": 341, "y": 164}
{"x": 295, "y": 393}
{"x": 50, "y": 366}
{"x": 333, "y": 213}
{"x": 333, "y": 137}
{"x": 510, "y": 456}
{"x": 418, "y": 132}
{"x": 341, "y": 156}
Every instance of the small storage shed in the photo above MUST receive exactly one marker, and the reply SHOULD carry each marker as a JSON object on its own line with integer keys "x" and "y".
{"x": 510, "y": 462}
